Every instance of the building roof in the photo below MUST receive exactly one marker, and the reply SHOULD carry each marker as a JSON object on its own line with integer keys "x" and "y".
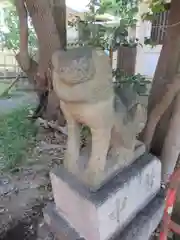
{"x": 73, "y": 14}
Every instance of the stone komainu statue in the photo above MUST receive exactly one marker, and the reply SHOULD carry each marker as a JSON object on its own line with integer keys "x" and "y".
{"x": 82, "y": 79}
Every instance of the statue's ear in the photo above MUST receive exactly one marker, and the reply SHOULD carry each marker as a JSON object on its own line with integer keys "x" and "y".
{"x": 56, "y": 57}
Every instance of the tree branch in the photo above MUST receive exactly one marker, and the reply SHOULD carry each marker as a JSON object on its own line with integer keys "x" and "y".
{"x": 23, "y": 26}
{"x": 157, "y": 112}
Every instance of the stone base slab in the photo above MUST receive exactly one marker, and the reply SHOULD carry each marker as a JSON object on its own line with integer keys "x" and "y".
{"x": 140, "y": 228}
{"x": 99, "y": 215}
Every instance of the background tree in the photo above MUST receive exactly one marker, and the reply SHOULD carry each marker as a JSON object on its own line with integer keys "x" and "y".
{"x": 114, "y": 34}
{"x": 48, "y": 18}
{"x": 10, "y": 34}
{"x": 126, "y": 9}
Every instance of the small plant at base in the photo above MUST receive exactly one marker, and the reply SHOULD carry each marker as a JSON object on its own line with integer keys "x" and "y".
{"x": 85, "y": 135}
{"x": 138, "y": 82}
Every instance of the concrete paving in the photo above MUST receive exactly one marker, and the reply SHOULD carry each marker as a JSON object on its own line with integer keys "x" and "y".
{"x": 24, "y": 99}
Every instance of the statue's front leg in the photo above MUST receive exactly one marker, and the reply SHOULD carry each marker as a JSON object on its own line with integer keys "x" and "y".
{"x": 97, "y": 162}
{"x": 73, "y": 142}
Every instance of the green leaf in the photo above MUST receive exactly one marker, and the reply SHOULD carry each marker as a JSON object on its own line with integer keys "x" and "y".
{"x": 10, "y": 38}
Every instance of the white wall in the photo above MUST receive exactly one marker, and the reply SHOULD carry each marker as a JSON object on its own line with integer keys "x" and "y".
{"x": 72, "y": 34}
{"x": 150, "y": 58}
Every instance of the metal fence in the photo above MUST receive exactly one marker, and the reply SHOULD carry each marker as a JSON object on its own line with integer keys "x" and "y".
{"x": 159, "y": 26}
{"x": 8, "y": 65}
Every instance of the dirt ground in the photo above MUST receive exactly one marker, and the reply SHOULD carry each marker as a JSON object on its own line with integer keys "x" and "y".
{"x": 28, "y": 186}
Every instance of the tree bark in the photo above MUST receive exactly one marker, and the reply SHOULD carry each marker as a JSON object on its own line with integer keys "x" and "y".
{"x": 159, "y": 109}
{"x": 167, "y": 67}
{"x": 48, "y": 28}
{"x": 59, "y": 13}
{"x": 171, "y": 148}
{"x": 23, "y": 25}
{"x": 164, "y": 100}
{"x": 169, "y": 58}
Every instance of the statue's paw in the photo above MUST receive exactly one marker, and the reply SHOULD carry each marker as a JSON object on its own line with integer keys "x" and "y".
{"x": 92, "y": 178}
{"x": 71, "y": 166}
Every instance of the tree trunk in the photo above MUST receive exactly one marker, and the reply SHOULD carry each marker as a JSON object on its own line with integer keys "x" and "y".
{"x": 171, "y": 148}
{"x": 59, "y": 13}
{"x": 169, "y": 58}
{"x": 159, "y": 109}
{"x": 166, "y": 71}
{"x": 51, "y": 36}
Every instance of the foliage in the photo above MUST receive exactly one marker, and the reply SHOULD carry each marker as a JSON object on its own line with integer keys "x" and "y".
{"x": 155, "y": 6}
{"x": 126, "y": 9}
{"x": 149, "y": 41}
{"x": 85, "y": 135}
{"x": 120, "y": 37}
{"x": 17, "y": 135}
{"x": 10, "y": 35}
{"x": 112, "y": 35}
{"x": 138, "y": 82}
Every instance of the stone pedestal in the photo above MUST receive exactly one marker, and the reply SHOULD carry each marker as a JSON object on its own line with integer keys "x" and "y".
{"x": 114, "y": 208}
{"x": 140, "y": 228}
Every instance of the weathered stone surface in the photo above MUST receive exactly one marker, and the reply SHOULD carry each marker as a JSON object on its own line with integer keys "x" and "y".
{"x": 99, "y": 215}
{"x": 113, "y": 166}
{"x": 140, "y": 228}
{"x": 82, "y": 79}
